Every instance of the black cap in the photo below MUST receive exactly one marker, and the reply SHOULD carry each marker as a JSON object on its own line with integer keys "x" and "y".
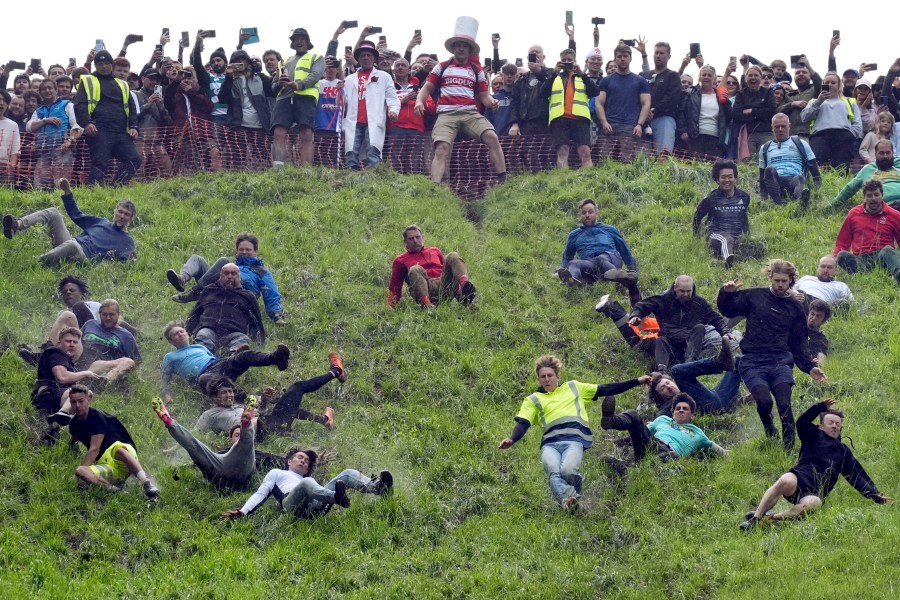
{"x": 151, "y": 73}
{"x": 300, "y": 31}
{"x": 103, "y": 55}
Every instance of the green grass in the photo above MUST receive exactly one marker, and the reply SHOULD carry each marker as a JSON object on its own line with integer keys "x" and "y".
{"x": 430, "y": 395}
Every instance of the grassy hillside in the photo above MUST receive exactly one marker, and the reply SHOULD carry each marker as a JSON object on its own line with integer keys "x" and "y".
{"x": 429, "y": 396}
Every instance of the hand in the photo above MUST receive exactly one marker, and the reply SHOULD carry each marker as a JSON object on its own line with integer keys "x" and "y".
{"x": 506, "y": 443}
{"x": 514, "y": 130}
{"x": 835, "y": 42}
{"x": 534, "y": 67}
{"x": 576, "y": 68}
{"x": 64, "y": 147}
{"x": 155, "y": 98}
{"x": 699, "y": 60}
{"x": 90, "y": 130}
{"x": 801, "y": 104}
{"x": 232, "y": 514}
{"x": 242, "y": 37}
{"x": 53, "y": 121}
{"x": 157, "y": 56}
{"x": 495, "y": 104}
{"x": 415, "y": 41}
{"x": 130, "y": 39}
{"x": 818, "y": 375}
{"x": 570, "y": 31}
{"x": 267, "y": 395}
{"x": 185, "y": 85}
{"x": 644, "y": 379}
{"x": 829, "y": 402}
{"x": 183, "y": 43}
{"x": 685, "y": 137}
{"x": 732, "y": 286}
{"x": 419, "y": 108}
{"x": 495, "y": 40}
{"x": 164, "y": 39}
{"x": 686, "y": 60}
{"x": 64, "y": 186}
{"x": 367, "y": 31}
{"x": 88, "y": 375}
{"x": 91, "y": 54}
{"x": 392, "y": 115}
{"x": 731, "y": 66}
{"x": 637, "y": 132}
{"x": 896, "y": 65}
{"x": 882, "y": 499}
{"x": 641, "y": 45}
{"x": 340, "y": 29}
{"x": 823, "y": 97}
{"x": 635, "y": 321}
{"x": 804, "y": 61}
{"x": 607, "y": 128}
{"x": 133, "y": 133}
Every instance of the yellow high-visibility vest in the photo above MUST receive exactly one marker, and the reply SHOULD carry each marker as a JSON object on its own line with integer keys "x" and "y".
{"x": 579, "y": 102}
{"x": 92, "y": 92}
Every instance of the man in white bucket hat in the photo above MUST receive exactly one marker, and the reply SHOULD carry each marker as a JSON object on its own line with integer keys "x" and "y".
{"x": 460, "y": 81}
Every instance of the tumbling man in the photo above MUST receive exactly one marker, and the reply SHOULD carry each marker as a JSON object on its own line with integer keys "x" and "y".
{"x": 100, "y": 240}
{"x": 111, "y": 456}
{"x": 110, "y": 350}
{"x": 667, "y": 437}
{"x": 226, "y": 314}
{"x": 823, "y": 458}
{"x": 602, "y": 252}
{"x": 775, "y": 340}
{"x": 298, "y": 493}
{"x": 429, "y": 276}
{"x": 725, "y": 210}
{"x": 824, "y": 286}
{"x": 56, "y": 375}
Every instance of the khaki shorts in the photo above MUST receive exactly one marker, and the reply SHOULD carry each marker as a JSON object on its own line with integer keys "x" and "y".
{"x": 112, "y": 469}
{"x": 468, "y": 122}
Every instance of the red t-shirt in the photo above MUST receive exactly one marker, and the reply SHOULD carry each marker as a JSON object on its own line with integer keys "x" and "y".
{"x": 362, "y": 114}
{"x": 431, "y": 259}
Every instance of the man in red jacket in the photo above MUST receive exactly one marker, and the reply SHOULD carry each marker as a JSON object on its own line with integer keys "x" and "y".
{"x": 429, "y": 275}
{"x": 870, "y": 234}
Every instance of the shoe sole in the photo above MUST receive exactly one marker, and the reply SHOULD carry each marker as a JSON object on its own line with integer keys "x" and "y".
{"x": 604, "y": 302}
{"x": 468, "y": 293}
{"x": 9, "y": 226}
{"x": 340, "y": 495}
{"x": 387, "y": 481}
{"x": 174, "y": 280}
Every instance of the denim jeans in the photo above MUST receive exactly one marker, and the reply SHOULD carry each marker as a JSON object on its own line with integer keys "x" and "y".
{"x": 717, "y": 399}
{"x": 197, "y": 268}
{"x": 562, "y": 464}
{"x": 592, "y": 270}
{"x": 362, "y": 146}
{"x": 663, "y": 133}
{"x": 213, "y": 340}
{"x": 309, "y": 498}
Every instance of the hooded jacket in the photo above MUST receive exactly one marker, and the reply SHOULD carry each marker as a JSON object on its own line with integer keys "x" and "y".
{"x": 677, "y": 318}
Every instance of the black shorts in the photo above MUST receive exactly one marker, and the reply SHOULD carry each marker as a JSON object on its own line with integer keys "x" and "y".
{"x": 48, "y": 400}
{"x": 300, "y": 110}
{"x": 806, "y": 486}
{"x": 569, "y": 132}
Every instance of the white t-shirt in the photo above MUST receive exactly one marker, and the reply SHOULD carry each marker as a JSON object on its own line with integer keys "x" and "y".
{"x": 709, "y": 113}
{"x": 832, "y": 292}
{"x": 10, "y": 141}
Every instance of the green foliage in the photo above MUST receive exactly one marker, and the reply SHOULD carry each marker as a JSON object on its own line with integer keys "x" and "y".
{"x": 429, "y": 396}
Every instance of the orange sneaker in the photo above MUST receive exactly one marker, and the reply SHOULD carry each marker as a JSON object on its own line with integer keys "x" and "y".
{"x": 337, "y": 364}
{"x": 329, "y": 417}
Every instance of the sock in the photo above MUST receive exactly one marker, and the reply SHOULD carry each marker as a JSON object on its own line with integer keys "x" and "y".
{"x": 463, "y": 280}
{"x": 142, "y": 475}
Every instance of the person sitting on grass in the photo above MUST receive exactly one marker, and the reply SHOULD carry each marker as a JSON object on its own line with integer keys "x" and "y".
{"x": 602, "y": 252}
{"x": 297, "y": 492}
{"x": 197, "y": 365}
{"x": 561, "y": 411}
{"x": 823, "y": 458}
{"x": 100, "y": 240}
{"x": 668, "y": 437}
{"x": 230, "y": 468}
{"x": 56, "y": 375}
{"x": 725, "y": 210}
{"x": 430, "y": 277}
{"x": 870, "y": 234}
{"x": 111, "y": 456}
{"x": 255, "y": 277}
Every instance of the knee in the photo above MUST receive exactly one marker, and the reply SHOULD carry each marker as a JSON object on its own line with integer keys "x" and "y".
{"x": 417, "y": 271}
{"x": 441, "y": 150}
{"x": 83, "y": 472}
{"x": 787, "y": 483}
{"x": 126, "y": 364}
{"x": 280, "y": 133}
{"x": 491, "y": 140}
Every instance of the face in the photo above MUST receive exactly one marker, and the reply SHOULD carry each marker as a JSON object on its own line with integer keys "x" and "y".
{"x": 826, "y": 269}
{"x": 109, "y": 316}
{"x": 414, "y": 241}
{"x": 81, "y": 403}
{"x": 245, "y": 248}
{"x": 299, "y": 463}
{"x": 548, "y": 378}
{"x": 831, "y": 425}
{"x": 496, "y": 84}
{"x": 567, "y": 59}
{"x": 224, "y": 397}
{"x": 861, "y": 93}
{"x": 832, "y": 85}
{"x": 539, "y": 51}
{"x": 3, "y": 106}
{"x": 461, "y": 51}
{"x": 21, "y": 85}
{"x": 217, "y": 64}
{"x": 31, "y": 104}
{"x": 16, "y": 107}
{"x": 230, "y": 276}
{"x": 815, "y": 319}
{"x": 595, "y": 63}
{"x": 884, "y": 156}
{"x": 150, "y": 82}
{"x": 384, "y": 62}
{"x": 779, "y": 95}
{"x": 682, "y": 413}
{"x": 71, "y": 294}
{"x": 801, "y": 76}
{"x": 587, "y": 214}
{"x": 874, "y": 201}
{"x": 727, "y": 180}
{"x": 687, "y": 82}
{"x": 661, "y": 56}
{"x": 731, "y": 85}
{"x": 768, "y": 77}
{"x": 884, "y": 123}
{"x": 781, "y": 283}
{"x": 366, "y": 60}
{"x": 684, "y": 289}
{"x": 257, "y": 65}
{"x": 508, "y": 79}
{"x": 103, "y": 67}
{"x": 300, "y": 44}
{"x": 69, "y": 344}
{"x": 850, "y": 80}
{"x": 56, "y": 72}
{"x": 121, "y": 72}
{"x": 48, "y": 93}
{"x": 178, "y": 337}
{"x": 623, "y": 61}
{"x": 64, "y": 89}
{"x": 779, "y": 71}
{"x": 122, "y": 216}
{"x": 667, "y": 388}
{"x": 235, "y": 436}
{"x": 271, "y": 62}
{"x": 754, "y": 79}
{"x": 401, "y": 68}
{"x": 781, "y": 127}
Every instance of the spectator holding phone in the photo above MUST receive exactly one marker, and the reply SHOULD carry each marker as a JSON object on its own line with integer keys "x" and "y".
{"x": 106, "y": 108}
{"x": 183, "y": 98}
{"x": 408, "y": 149}
{"x": 153, "y": 116}
{"x": 297, "y": 94}
{"x": 568, "y": 90}
{"x": 809, "y": 85}
{"x": 834, "y": 123}
{"x": 529, "y": 112}
{"x": 246, "y": 94}
{"x": 868, "y": 108}
{"x": 500, "y": 118}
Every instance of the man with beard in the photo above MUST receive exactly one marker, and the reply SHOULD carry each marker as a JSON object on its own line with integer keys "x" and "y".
{"x": 885, "y": 170}
{"x": 870, "y": 234}
{"x": 226, "y": 314}
{"x": 297, "y": 94}
{"x": 824, "y": 286}
{"x": 809, "y": 85}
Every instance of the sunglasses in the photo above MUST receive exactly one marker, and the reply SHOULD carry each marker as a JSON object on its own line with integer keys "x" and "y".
{"x": 731, "y": 83}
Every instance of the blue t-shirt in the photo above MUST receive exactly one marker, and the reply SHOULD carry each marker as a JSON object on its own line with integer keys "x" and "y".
{"x": 327, "y": 108}
{"x": 623, "y": 97}
{"x": 785, "y": 157}
{"x": 188, "y": 362}
{"x": 500, "y": 118}
{"x": 683, "y": 439}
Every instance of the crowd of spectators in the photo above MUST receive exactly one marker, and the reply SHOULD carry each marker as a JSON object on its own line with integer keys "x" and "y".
{"x": 191, "y": 112}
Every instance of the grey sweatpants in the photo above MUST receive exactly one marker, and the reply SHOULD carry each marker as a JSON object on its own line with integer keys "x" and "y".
{"x": 235, "y": 465}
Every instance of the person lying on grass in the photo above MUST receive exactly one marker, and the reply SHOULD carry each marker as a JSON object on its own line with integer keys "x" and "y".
{"x": 823, "y": 458}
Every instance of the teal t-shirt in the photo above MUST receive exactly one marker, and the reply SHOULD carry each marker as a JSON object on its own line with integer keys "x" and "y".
{"x": 683, "y": 439}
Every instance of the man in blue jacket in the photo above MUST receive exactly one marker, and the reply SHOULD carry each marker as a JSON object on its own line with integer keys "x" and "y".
{"x": 101, "y": 239}
{"x": 602, "y": 252}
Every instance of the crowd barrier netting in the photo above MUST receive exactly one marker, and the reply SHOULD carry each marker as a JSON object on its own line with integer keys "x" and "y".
{"x": 201, "y": 145}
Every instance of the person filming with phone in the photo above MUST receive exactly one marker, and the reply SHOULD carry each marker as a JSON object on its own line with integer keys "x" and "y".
{"x": 569, "y": 90}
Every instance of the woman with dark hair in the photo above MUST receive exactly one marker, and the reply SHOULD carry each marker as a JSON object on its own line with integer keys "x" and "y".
{"x": 754, "y": 107}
